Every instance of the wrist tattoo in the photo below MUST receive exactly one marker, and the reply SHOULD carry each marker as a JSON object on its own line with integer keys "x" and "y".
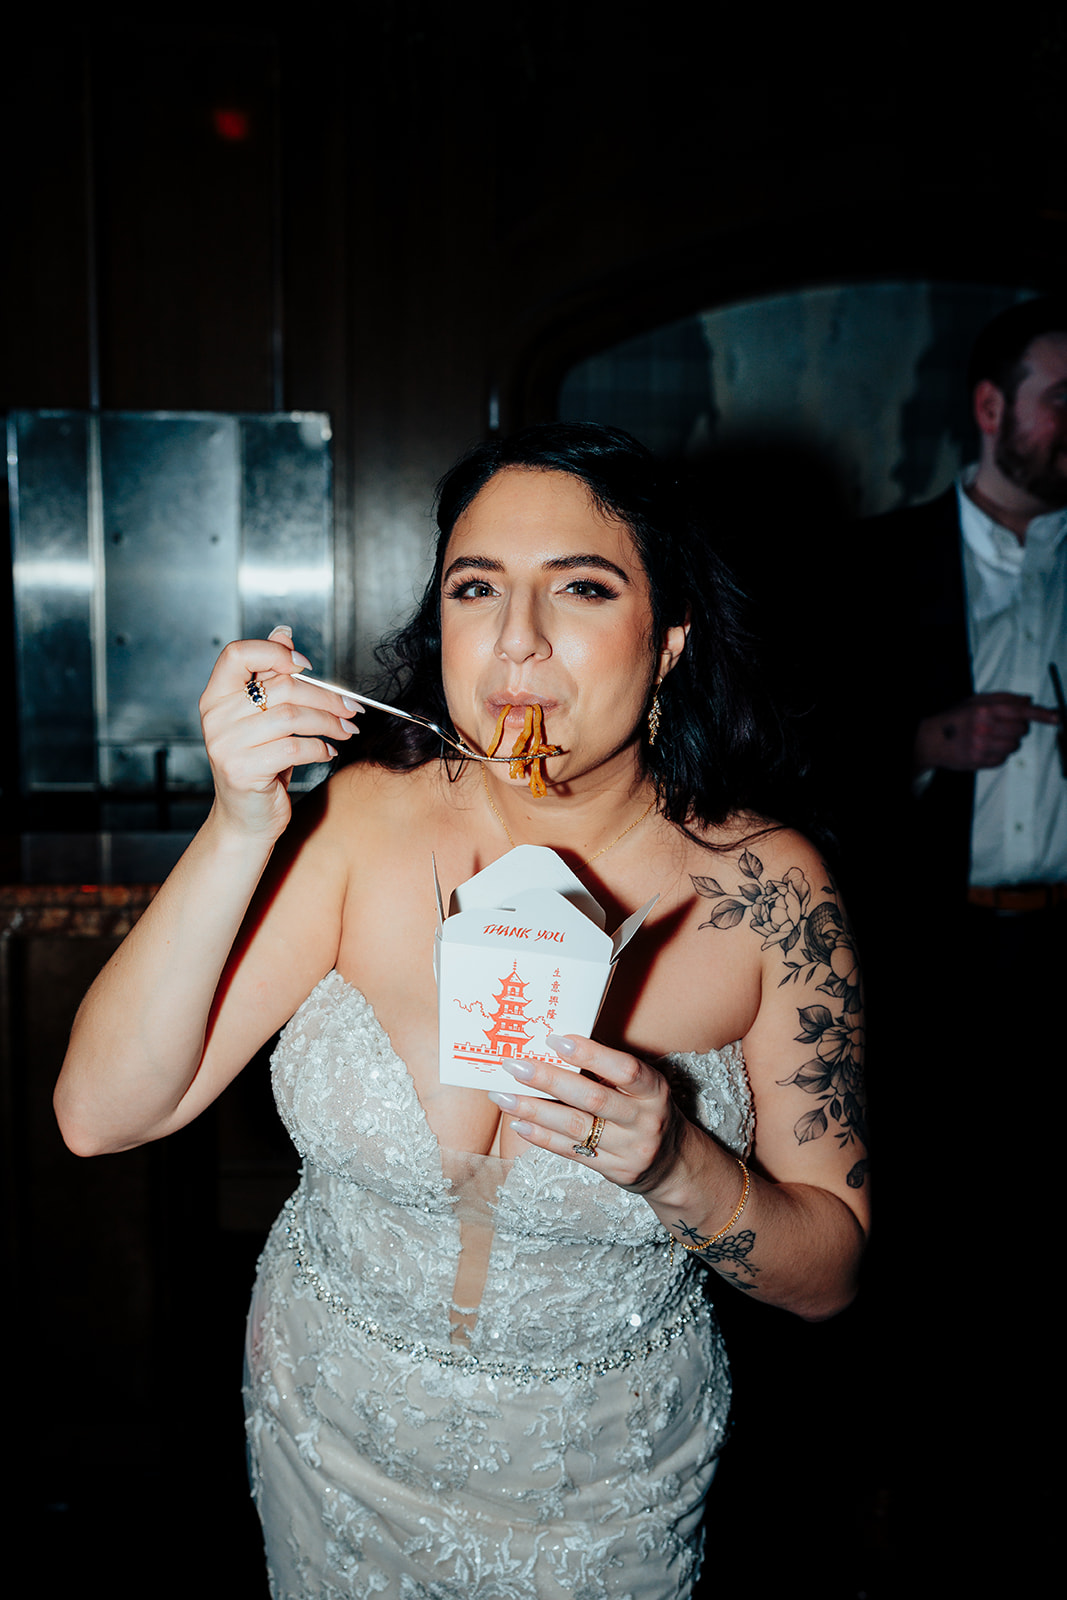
{"x": 728, "y": 1256}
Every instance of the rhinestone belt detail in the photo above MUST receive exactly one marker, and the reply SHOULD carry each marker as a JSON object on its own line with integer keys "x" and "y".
{"x": 521, "y": 1372}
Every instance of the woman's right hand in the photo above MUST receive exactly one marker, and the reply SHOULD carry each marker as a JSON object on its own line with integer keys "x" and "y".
{"x": 253, "y": 749}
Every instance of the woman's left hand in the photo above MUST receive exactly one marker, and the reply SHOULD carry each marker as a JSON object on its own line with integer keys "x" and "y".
{"x": 643, "y": 1127}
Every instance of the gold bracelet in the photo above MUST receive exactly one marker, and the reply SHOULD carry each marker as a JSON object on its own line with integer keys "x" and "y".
{"x": 713, "y": 1238}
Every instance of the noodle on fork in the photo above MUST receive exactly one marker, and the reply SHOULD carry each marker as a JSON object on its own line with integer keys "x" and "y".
{"x": 529, "y": 749}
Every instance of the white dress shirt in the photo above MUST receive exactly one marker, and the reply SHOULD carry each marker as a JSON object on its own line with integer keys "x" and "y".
{"x": 1017, "y": 625}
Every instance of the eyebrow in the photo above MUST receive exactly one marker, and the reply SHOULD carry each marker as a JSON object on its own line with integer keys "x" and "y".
{"x": 555, "y": 564}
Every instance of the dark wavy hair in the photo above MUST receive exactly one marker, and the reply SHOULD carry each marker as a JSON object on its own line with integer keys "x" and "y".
{"x": 723, "y": 746}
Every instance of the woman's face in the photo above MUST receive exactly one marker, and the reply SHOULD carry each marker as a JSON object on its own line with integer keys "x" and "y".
{"x": 544, "y": 599}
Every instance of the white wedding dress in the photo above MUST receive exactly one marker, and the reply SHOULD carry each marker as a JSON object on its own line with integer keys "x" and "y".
{"x": 469, "y": 1378}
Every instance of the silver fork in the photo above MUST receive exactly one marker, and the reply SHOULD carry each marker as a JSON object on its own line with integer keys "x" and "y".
{"x": 395, "y": 711}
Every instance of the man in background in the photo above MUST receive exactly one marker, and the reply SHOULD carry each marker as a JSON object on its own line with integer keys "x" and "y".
{"x": 991, "y": 570}
{"x": 964, "y": 850}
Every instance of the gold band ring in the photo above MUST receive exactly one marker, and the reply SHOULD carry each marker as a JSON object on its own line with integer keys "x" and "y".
{"x": 591, "y": 1140}
{"x": 256, "y": 693}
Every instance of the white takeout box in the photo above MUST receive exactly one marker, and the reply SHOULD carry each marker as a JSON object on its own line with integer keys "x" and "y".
{"x": 521, "y": 954}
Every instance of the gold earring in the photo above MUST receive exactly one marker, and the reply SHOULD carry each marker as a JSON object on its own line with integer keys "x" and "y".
{"x": 654, "y": 716}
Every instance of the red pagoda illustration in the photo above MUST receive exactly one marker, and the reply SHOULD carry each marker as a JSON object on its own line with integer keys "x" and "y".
{"x": 510, "y": 1034}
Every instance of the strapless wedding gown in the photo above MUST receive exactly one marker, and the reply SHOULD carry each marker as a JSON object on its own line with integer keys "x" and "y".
{"x": 470, "y": 1378}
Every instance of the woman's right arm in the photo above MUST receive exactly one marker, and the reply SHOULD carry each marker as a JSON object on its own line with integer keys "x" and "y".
{"x": 235, "y": 940}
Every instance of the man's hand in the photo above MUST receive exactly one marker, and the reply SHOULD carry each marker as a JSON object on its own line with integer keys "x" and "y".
{"x": 980, "y": 732}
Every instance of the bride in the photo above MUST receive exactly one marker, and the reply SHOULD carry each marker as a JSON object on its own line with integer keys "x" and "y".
{"x": 482, "y": 1357}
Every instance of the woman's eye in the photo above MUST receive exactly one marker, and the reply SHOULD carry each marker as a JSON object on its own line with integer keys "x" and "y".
{"x": 469, "y": 589}
{"x": 590, "y": 589}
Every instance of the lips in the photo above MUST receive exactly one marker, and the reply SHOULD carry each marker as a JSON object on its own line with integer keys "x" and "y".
{"x": 505, "y": 697}
{"x": 518, "y": 702}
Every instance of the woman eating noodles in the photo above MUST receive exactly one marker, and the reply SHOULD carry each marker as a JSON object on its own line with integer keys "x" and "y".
{"x": 482, "y": 1358}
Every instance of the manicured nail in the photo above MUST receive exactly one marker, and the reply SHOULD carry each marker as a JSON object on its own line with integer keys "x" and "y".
{"x": 301, "y": 662}
{"x": 283, "y": 627}
{"x": 523, "y": 1128}
{"x": 352, "y": 706}
{"x": 518, "y": 1069}
{"x": 560, "y": 1044}
{"x": 506, "y": 1102}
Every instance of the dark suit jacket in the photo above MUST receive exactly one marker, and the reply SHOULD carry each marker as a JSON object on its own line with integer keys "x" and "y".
{"x": 919, "y": 663}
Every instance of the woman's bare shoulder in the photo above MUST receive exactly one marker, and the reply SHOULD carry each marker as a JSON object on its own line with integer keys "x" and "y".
{"x": 780, "y": 849}
{"x": 364, "y": 806}
{"x": 373, "y": 792}
{"x": 762, "y": 874}
{"x": 752, "y": 844}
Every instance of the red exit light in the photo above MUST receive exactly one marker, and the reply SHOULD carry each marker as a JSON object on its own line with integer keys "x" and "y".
{"x": 230, "y": 124}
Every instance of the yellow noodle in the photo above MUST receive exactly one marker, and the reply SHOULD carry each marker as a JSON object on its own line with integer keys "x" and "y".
{"x": 498, "y": 732}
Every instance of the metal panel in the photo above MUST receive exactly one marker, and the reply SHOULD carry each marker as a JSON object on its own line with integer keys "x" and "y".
{"x": 171, "y": 504}
{"x": 286, "y": 559}
{"x": 53, "y": 587}
{"x": 142, "y": 543}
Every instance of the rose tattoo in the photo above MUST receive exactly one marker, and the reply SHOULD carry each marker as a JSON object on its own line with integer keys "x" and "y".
{"x": 820, "y": 943}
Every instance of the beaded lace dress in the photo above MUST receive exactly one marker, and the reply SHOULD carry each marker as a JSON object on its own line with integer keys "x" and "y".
{"x": 470, "y": 1378}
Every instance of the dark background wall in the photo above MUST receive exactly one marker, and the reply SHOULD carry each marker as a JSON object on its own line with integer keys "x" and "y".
{"x": 415, "y": 217}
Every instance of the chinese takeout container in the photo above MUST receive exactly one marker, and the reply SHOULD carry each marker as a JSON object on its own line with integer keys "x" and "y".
{"x": 521, "y": 953}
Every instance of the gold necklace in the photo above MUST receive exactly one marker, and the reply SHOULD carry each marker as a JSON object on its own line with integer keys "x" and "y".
{"x": 604, "y": 848}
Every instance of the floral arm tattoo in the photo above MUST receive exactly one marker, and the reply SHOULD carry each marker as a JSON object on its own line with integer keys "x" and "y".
{"x": 815, "y": 941}
{"x": 728, "y": 1256}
